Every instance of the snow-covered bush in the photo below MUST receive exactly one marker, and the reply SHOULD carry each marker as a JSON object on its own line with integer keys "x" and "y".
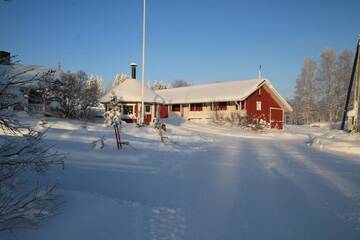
{"x": 238, "y": 119}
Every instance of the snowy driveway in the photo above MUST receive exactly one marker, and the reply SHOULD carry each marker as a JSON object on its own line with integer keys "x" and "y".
{"x": 210, "y": 183}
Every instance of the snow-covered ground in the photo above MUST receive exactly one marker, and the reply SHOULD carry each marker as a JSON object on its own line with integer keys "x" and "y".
{"x": 208, "y": 182}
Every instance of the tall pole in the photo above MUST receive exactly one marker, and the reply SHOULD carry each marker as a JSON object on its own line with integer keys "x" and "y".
{"x": 143, "y": 64}
{"x": 351, "y": 83}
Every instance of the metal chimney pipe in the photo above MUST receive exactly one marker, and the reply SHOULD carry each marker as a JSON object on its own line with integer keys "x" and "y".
{"x": 5, "y": 58}
{"x": 133, "y": 70}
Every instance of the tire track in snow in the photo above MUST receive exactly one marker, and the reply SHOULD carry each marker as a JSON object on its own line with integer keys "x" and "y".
{"x": 345, "y": 187}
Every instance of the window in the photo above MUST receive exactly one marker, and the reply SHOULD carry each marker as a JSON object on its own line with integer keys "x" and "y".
{"x": 196, "y": 107}
{"x": 259, "y": 91}
{"x": 258, "y": 105}
{"x": 128, "y": 109}
{"x": 221, "y": 106}
{"x": 175, "y": 108}
{"x": 147, "y": 109}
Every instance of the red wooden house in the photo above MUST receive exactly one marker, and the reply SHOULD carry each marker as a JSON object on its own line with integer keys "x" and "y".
{"x": 255, "y": 98}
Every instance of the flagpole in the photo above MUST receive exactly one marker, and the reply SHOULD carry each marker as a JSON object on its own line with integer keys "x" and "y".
{"x": 143, "y": 64}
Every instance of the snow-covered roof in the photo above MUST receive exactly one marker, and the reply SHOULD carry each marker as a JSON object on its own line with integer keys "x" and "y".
{"x": 24, "y": 73}
{"x": 219, "y": 92}
{"x": 130, "y": 91}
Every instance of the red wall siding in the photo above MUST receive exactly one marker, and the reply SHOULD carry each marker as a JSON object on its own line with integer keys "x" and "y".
{"x": 267, "y": 102}
{"x": 164, "y": 111}
{"x": 276, "y": 117}
{"x": 147, "y": 119}
{"x": 136, "y": 109}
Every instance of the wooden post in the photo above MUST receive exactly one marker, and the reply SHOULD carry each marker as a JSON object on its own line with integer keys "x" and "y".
{"x": 118, "y": 130}
{"x": 117, "y": 136}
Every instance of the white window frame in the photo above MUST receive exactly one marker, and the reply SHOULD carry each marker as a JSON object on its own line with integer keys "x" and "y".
{"x": 148, "y": 105}
{"x": 133, "y": 110}
{"x": 258, "y": 105}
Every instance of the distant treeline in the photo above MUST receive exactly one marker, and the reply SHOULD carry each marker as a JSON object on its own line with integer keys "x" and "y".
{"x": 321, "y": 88}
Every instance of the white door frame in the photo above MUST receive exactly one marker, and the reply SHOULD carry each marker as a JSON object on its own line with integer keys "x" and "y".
{"x": 274, "y": 108}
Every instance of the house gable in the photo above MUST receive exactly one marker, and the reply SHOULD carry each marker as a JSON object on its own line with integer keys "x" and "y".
{"x": 262, "y": 104}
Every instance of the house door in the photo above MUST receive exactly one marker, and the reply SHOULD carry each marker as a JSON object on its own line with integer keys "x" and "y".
{"x": 164, "y": 112}
{"x": 276, "y": 118}
{"x": 148, "y": 113}
{"x": 147, "y": 119}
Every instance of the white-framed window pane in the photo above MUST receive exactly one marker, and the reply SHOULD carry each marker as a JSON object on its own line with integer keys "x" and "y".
{"x": 147, "y": 108}
{"x": 128, "y": 109}
{"x": 258, "y": 105}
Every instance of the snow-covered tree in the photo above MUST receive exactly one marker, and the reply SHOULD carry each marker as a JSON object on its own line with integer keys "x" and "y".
{"x": 76, "y": 94}
{"x": 158, "y": 85}
{"x": 91, "y": 91}
{"x": 71, "y": 91}
{"x": 113, "y": 117}
{"x": 24, "y": 200}
{"x": 46, "y": 89}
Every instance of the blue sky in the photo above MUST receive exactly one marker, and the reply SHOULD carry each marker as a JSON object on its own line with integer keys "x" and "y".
{"x": 199, "y": 41}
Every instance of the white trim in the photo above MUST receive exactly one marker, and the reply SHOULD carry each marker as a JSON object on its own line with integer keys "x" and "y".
{"x": 258, "y": 106}
{"x": 280, "y": 98}
{"x": 128, "y": 116}
{"x": 220, "y": 92}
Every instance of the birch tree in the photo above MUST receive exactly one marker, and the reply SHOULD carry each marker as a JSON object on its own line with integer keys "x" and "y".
{"x": 305, "y": 92}
{"x": 326, "y": 83}
{"x": 342, "y": 74}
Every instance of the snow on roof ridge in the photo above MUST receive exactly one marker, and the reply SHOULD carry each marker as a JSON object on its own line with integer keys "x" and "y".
{"x": 130, "y": 91}
{"x": 237, "y": 90}
{"x": 215, "y": 83}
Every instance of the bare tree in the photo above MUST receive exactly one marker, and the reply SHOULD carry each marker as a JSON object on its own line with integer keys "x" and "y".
{"x": 45, "y": 90}
{"x": 179, "y": 83}
{"x": 322, "y": 99}
{"x": 70, "y": 93}
{"x": 326, "y": 83}
{"x": 342, "y": 74}
{"x": 304, "y": 100}
{"x": 24, "y": 201}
